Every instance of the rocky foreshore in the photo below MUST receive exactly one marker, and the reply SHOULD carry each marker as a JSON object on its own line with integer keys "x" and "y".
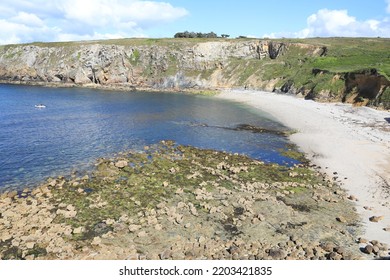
{"x": 176, "y": 202}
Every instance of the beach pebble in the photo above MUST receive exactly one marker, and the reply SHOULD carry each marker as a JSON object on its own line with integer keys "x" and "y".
{"x": 341, "y": 219}
{"x": 362, "y": 240}
{"x": 353, "y": 198}
{"x": 376, "y": 219}
{"x": 368, "y": 249}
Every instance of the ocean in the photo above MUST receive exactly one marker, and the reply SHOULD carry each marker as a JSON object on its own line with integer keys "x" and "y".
{"x": 78, "y": 126}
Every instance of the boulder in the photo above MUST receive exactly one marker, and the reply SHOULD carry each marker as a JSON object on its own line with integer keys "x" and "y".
{"x": 121, "y": 164}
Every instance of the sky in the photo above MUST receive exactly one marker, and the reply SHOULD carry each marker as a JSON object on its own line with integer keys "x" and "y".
{"x": 24, "y": 21}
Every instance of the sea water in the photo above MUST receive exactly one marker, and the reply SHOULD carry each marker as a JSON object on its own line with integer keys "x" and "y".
{"x": 77, "y": 126}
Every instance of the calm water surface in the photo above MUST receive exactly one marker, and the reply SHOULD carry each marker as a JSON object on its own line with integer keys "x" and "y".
{"x": 80, "y": 125}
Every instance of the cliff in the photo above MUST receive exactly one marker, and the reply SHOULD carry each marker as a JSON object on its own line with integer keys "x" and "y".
{"x": 321, "y": 69}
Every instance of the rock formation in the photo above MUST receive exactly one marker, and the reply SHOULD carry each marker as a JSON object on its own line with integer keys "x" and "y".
{"x": 188, "y": 64}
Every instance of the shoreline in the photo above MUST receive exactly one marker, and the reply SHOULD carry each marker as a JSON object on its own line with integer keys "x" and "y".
{"x": 200, "y": 204}
{"x": 322, "y": 134}
{"x": 350, "y": 143}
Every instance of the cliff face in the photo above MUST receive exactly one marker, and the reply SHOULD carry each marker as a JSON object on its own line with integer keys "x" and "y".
{"x": 183, "y": 64}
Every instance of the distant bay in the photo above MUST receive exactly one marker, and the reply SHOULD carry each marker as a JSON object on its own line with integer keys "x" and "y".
{"x": 77, "y": 126}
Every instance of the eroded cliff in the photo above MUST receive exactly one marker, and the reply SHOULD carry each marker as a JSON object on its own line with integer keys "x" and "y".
{"x": 285, "y": 66}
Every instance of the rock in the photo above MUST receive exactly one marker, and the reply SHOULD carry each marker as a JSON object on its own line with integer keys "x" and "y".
{"x": 53, "y": 183}
{"x": 78, "y": 230}
{"x": 368, "y": 249}
{"x": 387, "y": 229}
{"x": 374, "y": 242}
{"x": 353, "y": 198}
{"x": 339, "y": 250}
{"x": 110, "y": 221}
{"x": 70, "y": 214}
{"x": 12, "y": 194}
{"x": 96, "y": 241}
{"x": 375, "y": 249}
{"x": 30, "y": 245}
{"x": 362, "y": 240}
{"x": 201, "y": 240}
{"x": 134, "y": 228}
{"x": 179, "y": 191}
{"x": 376, "y": 219}
{"x": 277, "y": 254}
{"x": 327, "y": 246}
{"x": 341, "y": 219}
{"x": 121, "y": 164}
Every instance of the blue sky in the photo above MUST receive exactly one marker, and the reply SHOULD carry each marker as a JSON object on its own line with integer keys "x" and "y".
{"x": 25, "y": 21}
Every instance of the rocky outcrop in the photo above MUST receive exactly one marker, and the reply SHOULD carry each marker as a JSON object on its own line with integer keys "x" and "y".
{"x": 366, "y": 86}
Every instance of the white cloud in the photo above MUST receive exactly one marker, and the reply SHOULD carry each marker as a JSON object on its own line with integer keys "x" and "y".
{"x": 338, "y": 23}
{"x": 388, "y": 6}
{"x": 27, "y": 19}
{"x": 64, "y": 20}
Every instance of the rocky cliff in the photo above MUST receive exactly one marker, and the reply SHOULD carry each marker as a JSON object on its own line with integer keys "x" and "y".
{"x": 283, "y": 66}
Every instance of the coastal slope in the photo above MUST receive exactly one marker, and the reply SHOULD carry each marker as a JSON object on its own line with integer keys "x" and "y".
{"x": 352, "y": 70}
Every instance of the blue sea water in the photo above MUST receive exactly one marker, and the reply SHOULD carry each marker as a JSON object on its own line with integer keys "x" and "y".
{"x": 80, "y": 125}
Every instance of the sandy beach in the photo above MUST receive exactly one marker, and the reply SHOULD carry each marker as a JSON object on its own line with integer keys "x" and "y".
{"x": 350, "y": 143}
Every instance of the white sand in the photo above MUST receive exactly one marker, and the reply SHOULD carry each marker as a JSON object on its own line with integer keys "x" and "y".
{"x": 352, "y": 141}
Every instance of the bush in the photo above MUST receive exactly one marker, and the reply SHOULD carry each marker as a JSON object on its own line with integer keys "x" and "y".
{"x": 187, "y": 34}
